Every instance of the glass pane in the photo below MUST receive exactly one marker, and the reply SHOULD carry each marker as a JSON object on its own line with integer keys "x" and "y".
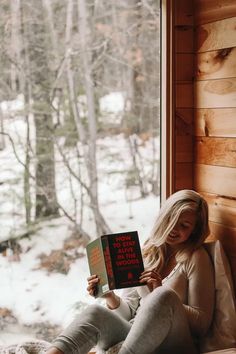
{"x": 79, "y": 148}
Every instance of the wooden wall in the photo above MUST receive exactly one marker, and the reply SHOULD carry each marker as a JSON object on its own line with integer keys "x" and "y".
{"x": 202, "y": 118}
{"x": 215, "y": 117}
{"x": 183, "y": 49}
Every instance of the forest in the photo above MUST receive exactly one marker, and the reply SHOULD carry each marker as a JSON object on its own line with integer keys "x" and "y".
{"x": 79, "y": 121}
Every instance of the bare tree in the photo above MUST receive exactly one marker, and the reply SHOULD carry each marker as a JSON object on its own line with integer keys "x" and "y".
{"x": 105, "y": 46}
{"x": 41, "y": 81}
{"x": 2, "y": 140}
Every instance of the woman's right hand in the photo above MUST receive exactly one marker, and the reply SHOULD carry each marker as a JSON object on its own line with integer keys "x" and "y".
{"x": 112, "y": 300}
{"x": 93, "y": 281}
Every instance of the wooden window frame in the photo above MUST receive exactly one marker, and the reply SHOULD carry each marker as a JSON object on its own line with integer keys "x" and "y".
{"x": 167, "y": 106}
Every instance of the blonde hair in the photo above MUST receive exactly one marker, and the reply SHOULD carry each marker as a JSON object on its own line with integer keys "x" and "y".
{"x": 155, "y": 249}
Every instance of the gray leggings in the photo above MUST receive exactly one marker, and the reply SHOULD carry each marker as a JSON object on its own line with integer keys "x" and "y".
{"x": 160, "y": 326}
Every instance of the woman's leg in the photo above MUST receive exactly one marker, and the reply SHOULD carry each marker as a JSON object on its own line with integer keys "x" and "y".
{"x": 160, "y": 326}
{"x": 95, "y": 325}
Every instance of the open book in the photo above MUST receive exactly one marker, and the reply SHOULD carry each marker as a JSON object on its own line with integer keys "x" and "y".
{"x": 117, "y": 260}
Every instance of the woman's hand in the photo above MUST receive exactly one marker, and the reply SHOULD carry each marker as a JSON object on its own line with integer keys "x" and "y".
{"x": 93, "y": 281}
{"x": 112, "y": 300}
{"x": 152, "y": 278}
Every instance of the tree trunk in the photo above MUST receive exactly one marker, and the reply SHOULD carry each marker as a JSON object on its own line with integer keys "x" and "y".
{"x": 27, "y": 195}
{"x": 92, "y": 125}
{"x": 2, "y": 140}
{"x": 52, "y": 32}
{"x": 41, "y": 81}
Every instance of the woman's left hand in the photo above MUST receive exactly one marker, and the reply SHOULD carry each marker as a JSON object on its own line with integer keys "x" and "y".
{"x": 152, "y": 278}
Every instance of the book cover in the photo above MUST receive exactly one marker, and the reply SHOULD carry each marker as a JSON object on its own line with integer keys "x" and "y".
{"x": 117, "y": 260}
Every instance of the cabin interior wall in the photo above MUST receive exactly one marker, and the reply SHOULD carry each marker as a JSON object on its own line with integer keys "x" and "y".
{"x": 204, "y": 90}
{"x": 214, "y": 136}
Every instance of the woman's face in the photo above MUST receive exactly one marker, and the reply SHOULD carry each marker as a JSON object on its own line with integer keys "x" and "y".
{"x": 183, "y": 228}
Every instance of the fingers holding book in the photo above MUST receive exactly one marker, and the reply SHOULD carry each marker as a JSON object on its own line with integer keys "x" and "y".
{"x": 152, "y": 279}
{"x": 93, "y": 281}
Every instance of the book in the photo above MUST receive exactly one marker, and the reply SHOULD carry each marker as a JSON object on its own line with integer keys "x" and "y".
{"x": 117, "y": 260}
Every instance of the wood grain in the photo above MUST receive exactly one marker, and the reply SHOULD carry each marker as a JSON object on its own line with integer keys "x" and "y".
{"x": 216, "y": 35}
{"x": 184, "y": 12}
{"x": 215, "y": 93}
{"x": 184, "y": 148}
{"x": 184, "y": 121}
{"x": 184, "y": 66}
{"x": 222, "y": 210}
{"x": 216, "y": 151}
{"x": 184, "y": 95}
{"x": 215, "y": 179}
{"x": 227, "y": 235}
{"x": 215, "y": 122}
{"x": 184, "y": 42}
{"x": 213, "y": 10}
{"x": 183, "y": 176}
{"x": 215, "y": 64}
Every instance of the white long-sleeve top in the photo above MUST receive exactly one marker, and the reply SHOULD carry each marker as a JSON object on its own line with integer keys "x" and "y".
{"x": 193, "y": 281}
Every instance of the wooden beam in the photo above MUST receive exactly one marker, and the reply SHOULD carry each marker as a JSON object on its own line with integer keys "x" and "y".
{"x": 215, "y": 122}
{"x": 216, "y": 35}
{"x": 215, "y": 93}
{"x": 213, "y": 10}
{"x": 215, "y": 179}
{"x": 216, "y": 64}
{"x": 216, "y": 151}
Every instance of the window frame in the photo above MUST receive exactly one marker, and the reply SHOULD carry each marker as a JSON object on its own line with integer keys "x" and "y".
{"x": 167, "y": 111}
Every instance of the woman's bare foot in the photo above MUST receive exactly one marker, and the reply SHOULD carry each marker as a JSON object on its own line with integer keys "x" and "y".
{"x": 54, "y": 350}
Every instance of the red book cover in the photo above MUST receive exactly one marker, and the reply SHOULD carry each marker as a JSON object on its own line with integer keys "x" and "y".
{"x": 117, "y": 260}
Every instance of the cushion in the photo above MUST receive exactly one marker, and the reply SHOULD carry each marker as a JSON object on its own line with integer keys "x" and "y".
{"x": 32, "y": 347}
{"x": 222, "y": 333}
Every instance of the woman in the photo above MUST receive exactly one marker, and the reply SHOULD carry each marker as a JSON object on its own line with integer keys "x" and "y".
{"x": 174, "y": 309}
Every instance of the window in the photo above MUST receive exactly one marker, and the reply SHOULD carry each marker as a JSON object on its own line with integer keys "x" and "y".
{"x": 79, "y": 146}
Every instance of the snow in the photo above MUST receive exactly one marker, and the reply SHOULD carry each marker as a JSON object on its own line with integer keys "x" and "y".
{"x": 10, "y": 107}
{"x": 114, "y": 102}
{"x": 32, "y": 293}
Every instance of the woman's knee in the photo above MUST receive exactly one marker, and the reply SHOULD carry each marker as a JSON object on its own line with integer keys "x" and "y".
{"x": 162, "y": 296}
{"x": 92, "y": 314}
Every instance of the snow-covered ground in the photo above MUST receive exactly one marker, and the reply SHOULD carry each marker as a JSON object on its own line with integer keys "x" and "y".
{"x": 30, "y": 292}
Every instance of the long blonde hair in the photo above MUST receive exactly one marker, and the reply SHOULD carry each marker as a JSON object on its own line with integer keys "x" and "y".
{"x": 155, "y": 249}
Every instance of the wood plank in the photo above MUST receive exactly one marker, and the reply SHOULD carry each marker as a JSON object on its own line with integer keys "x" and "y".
{"x": 215, "y": 151}
{"x": 227, "y": 235}
{"x": 183, "y": 176}
{"x": 216, "y": 35}
{"x": 216, "y": 64}
{"x": 184, "y": 121}
{"x": 222, "y": 210}
{"x": 184, "y": 42}
{"x": 184, "y": 95}
{"x": 215, "y": 179}
{"x": 184, "y": 66}
{"x": 213, "y": 10}
{"x": 184, "y": 12}
{"x": 184, "y": 148}
{"x": 215, "y": 93}
{"x": 215, "y": 122}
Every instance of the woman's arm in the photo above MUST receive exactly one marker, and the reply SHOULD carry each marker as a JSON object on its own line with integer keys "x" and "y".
{"x": 112, "y": 300}
{"x": 127, "y": 303}
{"x": 201, "y": 292}
{"x": 126, "y": 306}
